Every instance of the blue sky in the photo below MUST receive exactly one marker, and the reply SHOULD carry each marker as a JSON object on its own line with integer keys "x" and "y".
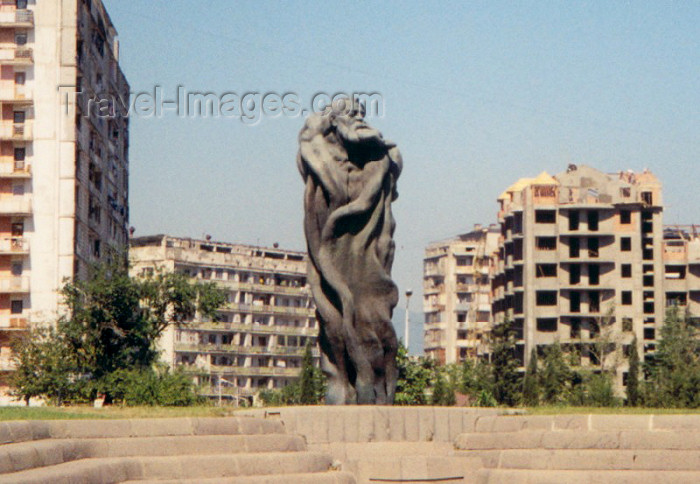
{"x": 476, "y": 95}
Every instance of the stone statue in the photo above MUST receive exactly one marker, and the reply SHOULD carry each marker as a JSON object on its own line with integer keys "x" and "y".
{"x": 350, "y": 174}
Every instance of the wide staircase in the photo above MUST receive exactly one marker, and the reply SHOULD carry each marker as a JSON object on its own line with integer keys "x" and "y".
{"x": 363, "y": 445}
{"x": 183, "y": 450}
{"x": 584, "y": 449}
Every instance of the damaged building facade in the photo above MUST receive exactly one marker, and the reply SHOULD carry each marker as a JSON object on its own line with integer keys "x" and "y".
{"x": 258, "y": 339}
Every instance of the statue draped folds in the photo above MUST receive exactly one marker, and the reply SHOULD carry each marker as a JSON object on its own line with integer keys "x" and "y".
{"x": 350, "y": 175}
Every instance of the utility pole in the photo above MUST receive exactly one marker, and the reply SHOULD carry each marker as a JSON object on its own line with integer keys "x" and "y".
{"x": 409, "y": 293}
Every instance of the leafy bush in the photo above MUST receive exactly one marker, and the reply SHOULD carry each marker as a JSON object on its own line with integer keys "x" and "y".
{"x": 150, "y": 387}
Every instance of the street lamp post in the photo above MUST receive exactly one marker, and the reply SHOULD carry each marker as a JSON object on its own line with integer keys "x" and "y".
{"x": 409, "y": 293}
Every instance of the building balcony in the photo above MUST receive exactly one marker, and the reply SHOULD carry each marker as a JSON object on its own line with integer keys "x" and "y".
{"x": 13, "y": 323}
{"x": 466, "y": 287}
{"x": 14, "y": 245}
{"x": 227, "y": 391}
{"x": 12, "y": 170}
{"x": 432, "y": 288}
{"x": 16, "y": 97}
{"x": 266, "y": 288}
{"x": 255, "y": 328}
{"x": 16, "y": 131}
{"x": 20, "y": 205}
{"x": 267, "y": 309}
{"x": 23, "y": 19}
{"x": 244, "y": 350}
{"x": 14, "y": 285}
{"x": 16, "y": 57}
{"x": 251, "y": 370}
{"x": 6, "y": 364}
{"x": 462, "y": 307}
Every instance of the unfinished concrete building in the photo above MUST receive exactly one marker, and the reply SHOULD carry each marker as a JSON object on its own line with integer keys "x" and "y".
{"x": 258, "y": 339}
{"x": 457, "y": 295}
{"x": 682, "y": 268}
{"x": 584, "y": 258}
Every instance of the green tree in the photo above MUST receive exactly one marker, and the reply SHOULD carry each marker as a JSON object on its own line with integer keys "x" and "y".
{"x": 311, "y": 385}
{"x": 555, "y": 375}
{"x": 633, "y": 375}
{"x": 439, "y": 389}
{"x": 112, "y": 323}
{"x": 443, "y": 388}
{"x": 674, "y": 375}
{"x": 531, "y": 390}
{"x": 414, "y": 378}
{"x": 309, "y": 389}
{"x": 44, "y": 366}
{"x": 506, "y": 379}
{"x": 600, "y": 391}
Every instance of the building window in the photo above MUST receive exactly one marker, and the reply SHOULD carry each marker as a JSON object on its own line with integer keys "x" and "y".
{"x": 18, "y": 117}
{"x": 574, "y": 220}
{"x": 625, "y": 217}
{"x": 546, "y": 298}
{"x": 21, "y": 38}
{"x": 626, "y": 270}
{"x": 546, "y": 270}
{"x": 574, "y": 247}
{"x": 593, "y": 220}
{"x": 647, "y": 198}
{"x": 593, "y": 247}
{"x": 16, "y": 306}
{"x": 627, "y": 324}
{"x": 545, "y": 216}
{"x": 546, "y": 243}
{"x": 16, "y": 268}
{"x": 593, "y": 274}
{"x": 649, "y": 334}
{"x": 626, "y": 298}
{"x": 574, "y": 274}
{"x": 575, "y": 302}
{"x": 626, "y": 244}
{"x": 547, "y": 325}
{"x": 18, "y": 229}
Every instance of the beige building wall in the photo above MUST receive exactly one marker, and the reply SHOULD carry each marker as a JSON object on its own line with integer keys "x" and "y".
{"x": 63, "y": 174}
{"x": 457, "y": 295}
{"x": 582, "y": 258}
{"x": 258, "y": 340}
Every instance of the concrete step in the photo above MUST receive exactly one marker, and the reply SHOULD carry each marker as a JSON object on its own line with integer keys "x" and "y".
{"x": 329, "y": 477}
{"x": 568, "y": 459}
{"x": 514, "y": 423}
{"x": 120, "y": 469}
{"x": 511, "y": 476}
{"x": 579, "y": 439}
{"x": 22, "y": 431}
{"x": 28, "y": 455}
{"x": 415, "y": 468}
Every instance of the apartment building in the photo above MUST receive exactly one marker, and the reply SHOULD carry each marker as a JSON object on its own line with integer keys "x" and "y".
{"x": 457, "y": 295}
{"x": 584, "y": 256}
{"x": 63, "y": 174}
{"x": 682, "y": 269}
{"x": 258, "y": 339}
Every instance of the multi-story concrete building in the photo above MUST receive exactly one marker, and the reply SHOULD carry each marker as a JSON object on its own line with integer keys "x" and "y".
{"x": 682, "y": 268}
{"x": 259, "y": 338}
{"x": 63, "y": 174}
{"x": 457, "y": 295}
{"x": 583, "y": 259}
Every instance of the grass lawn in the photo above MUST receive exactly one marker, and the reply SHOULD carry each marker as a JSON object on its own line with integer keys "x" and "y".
{"x": 556, "y": 410}
{"x": 110, "y": 412}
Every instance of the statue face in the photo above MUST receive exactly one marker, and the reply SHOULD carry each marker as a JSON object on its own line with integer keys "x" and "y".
{"x": 351, "y": 126}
